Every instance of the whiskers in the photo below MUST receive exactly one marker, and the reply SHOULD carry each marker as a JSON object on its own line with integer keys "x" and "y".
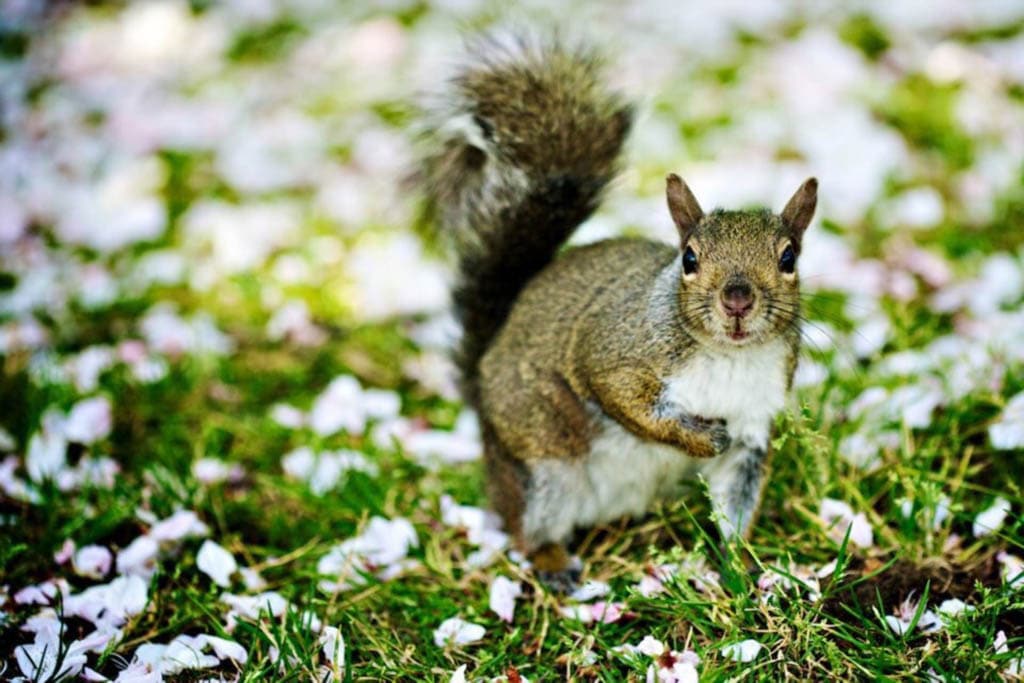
{"x": 697, "y": 311}
{"x": 792, "y": 311}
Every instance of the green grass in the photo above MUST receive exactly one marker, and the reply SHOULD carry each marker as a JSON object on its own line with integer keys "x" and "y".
{"x": 277, "y": 525}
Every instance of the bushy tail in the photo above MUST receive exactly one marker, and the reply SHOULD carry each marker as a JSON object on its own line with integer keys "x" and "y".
{"x": 530, "y": 138}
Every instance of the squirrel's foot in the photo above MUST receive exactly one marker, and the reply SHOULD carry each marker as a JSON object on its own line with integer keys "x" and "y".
{"x": 554, "y": 568}
{"x": 564, "y": 582}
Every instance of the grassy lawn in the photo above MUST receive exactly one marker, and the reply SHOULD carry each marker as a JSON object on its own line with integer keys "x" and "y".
{"x": 227, "y": 412}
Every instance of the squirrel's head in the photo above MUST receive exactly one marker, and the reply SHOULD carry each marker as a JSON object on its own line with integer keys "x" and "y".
{"x": 738, "y": 281}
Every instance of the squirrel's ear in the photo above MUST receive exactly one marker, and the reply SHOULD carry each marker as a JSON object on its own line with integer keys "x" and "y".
{"x": 683, "y": 206}
{"x": 800, "y": 209}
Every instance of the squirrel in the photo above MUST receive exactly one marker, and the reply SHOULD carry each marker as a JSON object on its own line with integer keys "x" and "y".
{"x": 608, "y": 375}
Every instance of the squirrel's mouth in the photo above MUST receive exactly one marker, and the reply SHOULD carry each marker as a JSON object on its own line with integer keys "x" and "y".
{"x": 738, "y": 333}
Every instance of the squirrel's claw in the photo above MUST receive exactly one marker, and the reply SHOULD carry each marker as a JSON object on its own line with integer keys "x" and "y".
{"x": 719, "y": 435}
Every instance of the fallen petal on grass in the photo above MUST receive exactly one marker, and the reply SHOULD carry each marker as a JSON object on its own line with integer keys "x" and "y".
{"x": 650, "y": 646}
{"x": 744, "y": 651}
{"x": 455, "y": 631}
{"x": 92, "y": 561}
{"x": 839, "y": 519}
{"x": 89, "y": 420}
{"x": 332, "y": 646}
{"x": 590, "y": 590}
{"x": 992, "y": 518}
{"x": 503, "y": 594}
{"x": 217, "y": 563}
{"x": 459, "y": 675}
{"x": 1007, "y": 432}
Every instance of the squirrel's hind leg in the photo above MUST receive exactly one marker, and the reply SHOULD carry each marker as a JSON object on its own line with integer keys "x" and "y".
{"x": 534, "y": 476}
{"x": 507, "y": 478}
{"x": 507, "y": 482}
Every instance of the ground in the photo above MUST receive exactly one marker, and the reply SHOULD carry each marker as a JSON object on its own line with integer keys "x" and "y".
{"x": 231, "y": 443}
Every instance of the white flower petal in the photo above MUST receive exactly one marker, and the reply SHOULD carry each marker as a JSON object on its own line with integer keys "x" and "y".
{"x": 503, "y": 594}
{"x": 838, "y": 517}
{"x": 991, "y": 519}
{"x": 650, "y": 646}
{"x": 898, "y": 626}
{"x": 650, "y": 585}
{"x": 322, "y": 471}
{"x": 217, "y": 563}
{"x": 227, "y": 649}
{"x": 179, "y": 526}
{"x": 434, "y": 445}
{"x": 299, "y": 463}
{"x": 1007, "y": 433}
{"x": 606, "y": 612}
{"x": 455, "y": 631}
{"x": 333, "y": 648}
{"x": 93, "y": 675}
{"x": 89, "y": 420}
{"x": 38, "y": 660}
{"x": 7, "y": 442}
{"x": 109, "y": 605}
{"x": 482, "y": 528}
{"x": 339, "y": 407}
{"x": 1012, "y": 569}
{"x": 46, "y": 455}
{"x": 185, "y": 653}
{"x": 287, "y": 416}
{"x": 251, "y": 606}
{"x": 383, "y": 542}
{"x": 591, "y": 590}
{"x": 681, "y": 672}
{"x": 580, "y": 613}
{"x": 66, "y": 552}
{"x": 92, "y": 561}
{"x": 252, "y": 579}
{"x": 333, "y": 645}
{"x": 744, "y": 651}
{"x": 381, "y": 404}
{"x": 211, "y": 471}
{"x": 459, "y": 675}
{"x": 954, "y": 607}
{"x": 860, "y": 531}
{"x": 139, "y": 558}
{"x": 150, "y": 654}
{"x": 929, "y": 622}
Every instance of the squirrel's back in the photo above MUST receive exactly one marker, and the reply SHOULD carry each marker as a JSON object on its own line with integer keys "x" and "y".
{"x": 530, "y": 140}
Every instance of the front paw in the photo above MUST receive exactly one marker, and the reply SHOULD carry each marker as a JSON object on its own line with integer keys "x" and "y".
{"x": 714, "y": 435}
{"x": 718, "y": 432}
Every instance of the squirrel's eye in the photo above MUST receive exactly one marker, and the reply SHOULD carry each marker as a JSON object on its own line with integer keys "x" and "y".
{"x": 689, "y": 261}
{"x": 787, "y": 262}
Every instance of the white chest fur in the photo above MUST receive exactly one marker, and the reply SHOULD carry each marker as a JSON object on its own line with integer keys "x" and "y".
{"x": 622, "y": 475}
{"x": 746, "y": 387}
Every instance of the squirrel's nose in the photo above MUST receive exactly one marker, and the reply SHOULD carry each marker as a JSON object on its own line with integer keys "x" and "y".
{"x": 737, "y": 299}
